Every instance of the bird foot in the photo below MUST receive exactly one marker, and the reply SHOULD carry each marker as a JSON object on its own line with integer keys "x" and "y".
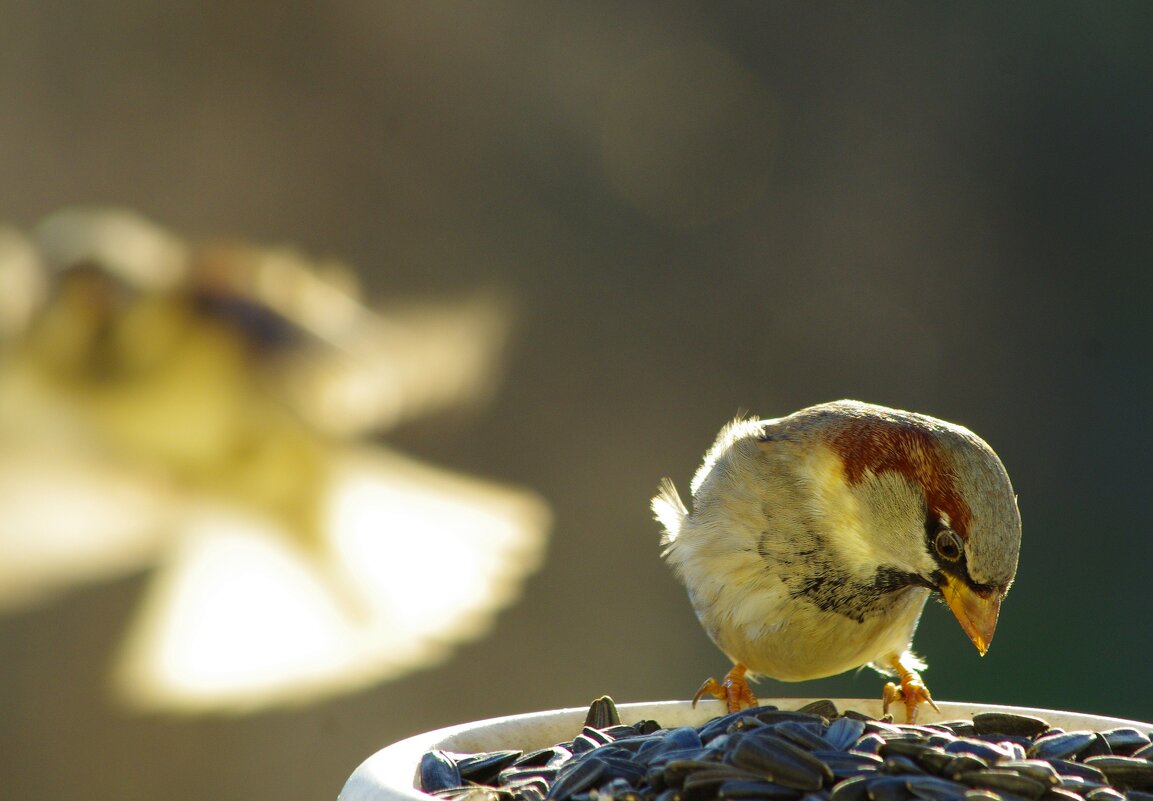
{"x": 734, "y": 690}
{"x": 911, "y": 691}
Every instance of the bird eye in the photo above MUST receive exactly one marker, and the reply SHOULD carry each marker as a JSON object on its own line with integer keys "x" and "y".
{"x": 948, "y": 545}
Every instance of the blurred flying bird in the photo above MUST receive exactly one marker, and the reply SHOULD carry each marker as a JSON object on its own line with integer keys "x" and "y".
{"x": 208, "y": 410}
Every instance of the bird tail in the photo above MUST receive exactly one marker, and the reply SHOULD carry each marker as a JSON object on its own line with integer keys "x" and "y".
{"x": 669, "y": 510}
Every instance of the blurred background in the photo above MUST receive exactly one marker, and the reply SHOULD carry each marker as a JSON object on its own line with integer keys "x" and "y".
{"x": 700, "y": 210}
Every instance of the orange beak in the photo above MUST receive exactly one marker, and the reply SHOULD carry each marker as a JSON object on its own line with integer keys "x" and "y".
{"x": 977, "y": 614}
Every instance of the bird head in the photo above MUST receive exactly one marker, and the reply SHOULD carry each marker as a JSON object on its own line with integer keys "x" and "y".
{"x": 931, "y": 504}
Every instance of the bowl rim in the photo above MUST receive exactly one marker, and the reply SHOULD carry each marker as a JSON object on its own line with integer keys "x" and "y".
{"x": 391, "y": 773}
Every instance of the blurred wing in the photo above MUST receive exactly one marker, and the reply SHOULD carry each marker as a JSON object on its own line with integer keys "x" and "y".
{"x": 418, "y": 559}
{"x": 379, "y": 370}
{"x": 236, "y": 618}
{"x": 127, "y": 244}
{"x": 358, "y": 369}
{"x": 68, "y": 513}
{"x": 22, "y": 282}
{"x": 65, "y": 520}
{"x": 434, "y": 553}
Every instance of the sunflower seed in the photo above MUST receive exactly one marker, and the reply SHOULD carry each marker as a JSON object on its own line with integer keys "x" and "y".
{"x": 582, "y": 775}
{"x": 515, "y": 774}
{"x": 1077, "y": 785}
{"x": 682, "y": 738}
{"x": 583, "y": 743}
{"x": 1104, "y": 794}
{"x": 990, "y": 752}
{"x": 750, "y": 789}
{"x": 1124, "y": 771}
{"x": 1004, "y": 780}
{"x": 888, "y": 788}
{"x": 602, "y": 713}
{"x": 1061, "y": 746}
{"x": 624, "y": 768}
{"x": 484, "y": 768}
{"x": 599, "y": 736}
{"x": 1037, "y": 769}
{"x": 719, "y": 726}
{"x": 631, "y": 744}
{"x": 906, "y": 748}
{"x": 843, "y": 732}
{"x": 931, "y": 788}
{"x": 545, "y": 757}
{"x": 935, "y": 760}
{"x": 772, "y": 715}
{"x": 1125, "y": 740}
{"x": 675, "y": 773}
{"x": 824, "y": 708}
{"x": 945, "y": 732}
{"x": 663, "y": 758}
{"x": 620, "y": 731}
{"x": 438, "y": 771}
{"x": 983, "y": 795}
{"x": 845, "y": 764}
{"x": 902, "y": 765}
{"x": 520, "y": 786}
{"x": 1006, "y": 723}
{"x": 746, "y": 723}
{"x": 706, "y": 784}
{"x": 1098, "y": 747}
{"x": 869, "y": 743}
{"x": 802, "y": 734}
{"x": 885, "y": 730}
{"x": 780, "y": 761}
{"x": 1066, "y": 768}
{"x": 1014, "y": 743}
{"x": 854, "y": 789}
{"x": 1061, "y": 794}
{"x": 963, "y": 763}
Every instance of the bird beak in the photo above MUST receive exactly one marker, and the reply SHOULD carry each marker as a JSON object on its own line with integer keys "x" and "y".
{"x": 977, "y": 613}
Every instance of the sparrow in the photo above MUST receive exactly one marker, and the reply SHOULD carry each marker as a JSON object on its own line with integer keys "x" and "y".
{"x": 815, "y": 539}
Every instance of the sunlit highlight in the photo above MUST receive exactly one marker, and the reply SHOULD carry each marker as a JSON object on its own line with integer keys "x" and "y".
{"x": 236, "y": 618}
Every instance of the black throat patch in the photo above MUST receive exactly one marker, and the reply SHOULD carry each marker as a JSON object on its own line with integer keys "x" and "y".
{"x": 810, "y": 574}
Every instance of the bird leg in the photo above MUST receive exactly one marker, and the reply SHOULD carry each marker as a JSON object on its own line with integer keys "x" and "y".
{"x": 734, "y": 690}
{"x": 912, "y": 691}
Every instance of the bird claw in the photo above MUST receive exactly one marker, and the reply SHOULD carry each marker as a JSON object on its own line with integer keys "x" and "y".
{"x": 912, "y": 692}
{"x": 734, "y": 690}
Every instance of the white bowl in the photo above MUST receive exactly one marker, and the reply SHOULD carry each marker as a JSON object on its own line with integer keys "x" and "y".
{"x": 391, "y": 774}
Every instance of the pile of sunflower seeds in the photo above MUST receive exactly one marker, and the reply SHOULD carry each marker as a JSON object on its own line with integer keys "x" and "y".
{"x": 811, "y": 754}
